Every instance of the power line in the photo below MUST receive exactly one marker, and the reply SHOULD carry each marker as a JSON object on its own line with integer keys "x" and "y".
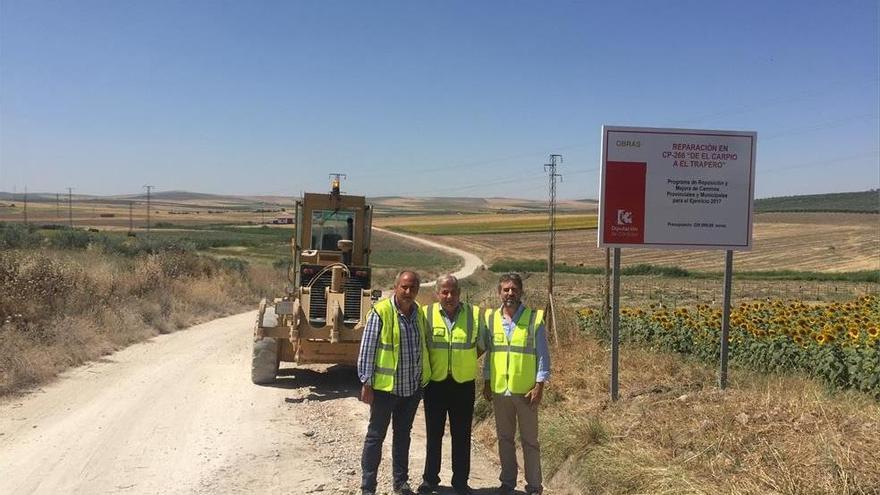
{"x": 483, "y": 184}
{"x": 551, "y": 240}
{"x": 732, "y": 111}
{"x": 552, "y": 175}
{"x": 811, "y": 93}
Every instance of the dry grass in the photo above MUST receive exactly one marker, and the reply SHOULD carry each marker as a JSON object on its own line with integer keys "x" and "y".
{"x": 61, "y": 309}
{"x": 674, "y": 432}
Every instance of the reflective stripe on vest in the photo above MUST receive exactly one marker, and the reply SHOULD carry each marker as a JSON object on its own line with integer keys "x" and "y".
{"x": 513, "y": 363}
{"x": 453, "y": 353}
{"x": 388, "y": 347}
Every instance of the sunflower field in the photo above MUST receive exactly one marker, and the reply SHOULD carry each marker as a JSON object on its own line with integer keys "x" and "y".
{"x": 838, "y": 343}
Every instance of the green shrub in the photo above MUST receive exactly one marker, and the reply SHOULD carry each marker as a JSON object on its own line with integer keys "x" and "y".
{"x": 71, "y": 239}
{"x": 234, "y": 265}
{"x": 665, "y": 271}
{"x": 282, "y": 264}
{"x": 18, "y": 236}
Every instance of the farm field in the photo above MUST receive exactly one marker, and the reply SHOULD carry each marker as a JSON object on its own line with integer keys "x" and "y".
{"x": 397, "y": 206}
{"x": 114, "y": 214}
{"x": 862, "y": 201}
{"x": 839, "y": 343}
{"x": 673, "y": 431}
{"x": 580, "y": 291}
{"x": 484, "y": 223}
{"x": 833, "y": 242}
{"x": 264, "y": 245}
{"x": 186, "y": 208}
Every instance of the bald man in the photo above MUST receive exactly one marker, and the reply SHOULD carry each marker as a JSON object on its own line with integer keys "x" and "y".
{"x": 454, "y": 342}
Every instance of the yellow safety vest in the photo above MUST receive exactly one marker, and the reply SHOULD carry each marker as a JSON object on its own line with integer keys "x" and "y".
{"x": 452, "y": 352}
{"x": 513, "y": 363}
{"x": 388, "y": 349}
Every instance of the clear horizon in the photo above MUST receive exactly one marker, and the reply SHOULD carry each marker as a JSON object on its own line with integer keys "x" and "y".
{"x": 63, "y": 194}
{"x": 456, "y": 99}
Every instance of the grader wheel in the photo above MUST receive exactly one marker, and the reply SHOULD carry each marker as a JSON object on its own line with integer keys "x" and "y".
{"x": 264, "y": 365}
{"x": 265, "y": 359}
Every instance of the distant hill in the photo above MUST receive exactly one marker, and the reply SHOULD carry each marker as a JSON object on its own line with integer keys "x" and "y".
{"x": 179, "y": 196}
{"x": 859, "y": 202}
{"x": 38, "y": 196}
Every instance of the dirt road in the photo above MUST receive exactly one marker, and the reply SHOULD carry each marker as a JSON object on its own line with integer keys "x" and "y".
{"x": 178, "y": 414}
{"x": 470, "y": 261}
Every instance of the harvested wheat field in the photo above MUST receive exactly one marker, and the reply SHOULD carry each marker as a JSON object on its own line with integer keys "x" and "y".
{"x": 484, "y": 223}
{"x": 833, "y": 242}
{"x": 116, "y": 217}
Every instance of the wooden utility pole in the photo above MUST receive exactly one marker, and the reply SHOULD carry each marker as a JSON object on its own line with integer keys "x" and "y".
{"x": 25, "y": 206}
{"x": 550, "y": 318}
{"x": 130, "y": 217}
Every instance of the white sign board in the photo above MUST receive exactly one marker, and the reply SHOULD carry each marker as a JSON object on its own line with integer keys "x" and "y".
{"x": 676, "y": 188}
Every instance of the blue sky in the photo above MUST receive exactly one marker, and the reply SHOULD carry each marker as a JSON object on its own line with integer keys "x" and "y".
{"x": 452, "y": 98}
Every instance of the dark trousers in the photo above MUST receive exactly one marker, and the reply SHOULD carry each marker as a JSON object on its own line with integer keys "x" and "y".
{"x": 399, "y": 412}
{"x": 455, "y": 400}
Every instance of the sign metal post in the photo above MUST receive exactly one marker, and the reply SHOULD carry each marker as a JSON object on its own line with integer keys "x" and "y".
{"x": 725, "y": 319}
{"x": 615, "y": 325}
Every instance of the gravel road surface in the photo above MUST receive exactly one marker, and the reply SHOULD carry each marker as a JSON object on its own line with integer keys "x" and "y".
{"x": 179, "y": 414}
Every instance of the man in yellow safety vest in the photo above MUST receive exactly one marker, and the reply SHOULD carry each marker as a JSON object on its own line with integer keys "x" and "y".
{"x": 454, "y": 333}
{"x": 393, "y": 367}
{"x": 516, "y": 368}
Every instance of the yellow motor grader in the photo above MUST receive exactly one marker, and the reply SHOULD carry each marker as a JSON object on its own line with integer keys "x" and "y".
{"x": 322, "y": 316}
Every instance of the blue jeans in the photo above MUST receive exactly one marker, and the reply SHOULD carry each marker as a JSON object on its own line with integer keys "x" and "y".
{"x": 398, "y": 411}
